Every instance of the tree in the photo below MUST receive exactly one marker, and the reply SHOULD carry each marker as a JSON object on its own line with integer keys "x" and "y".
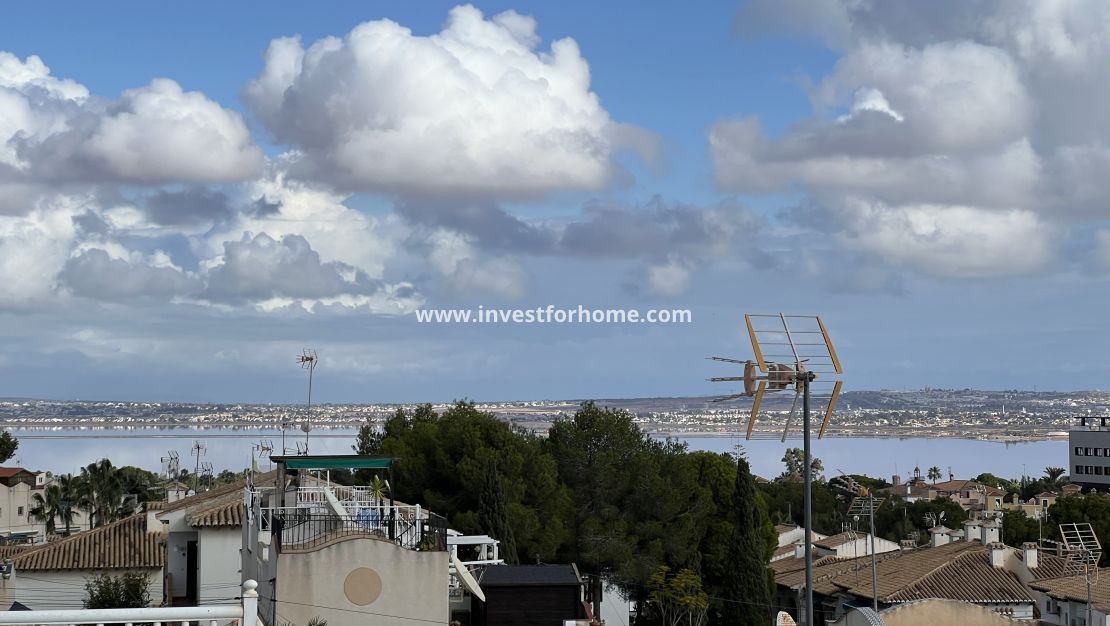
{"x": 795, "y": 460}
{"x": 101, "y": 492}
{"x": 747, "y": 600}
{"x": 46, "y": 506}
{"x": 129, "y": 590}
{"x": 1054, "y": 474}
{"x": 493, "y": 516}
{"x": 378, "y": 489}
{"x": 8, "y": 446}
{"x": 934, "y": 474}
{"x": 679, "y": 600}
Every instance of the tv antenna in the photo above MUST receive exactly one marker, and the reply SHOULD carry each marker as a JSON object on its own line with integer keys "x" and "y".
{"x": 264, "y": 448}
{"x": 171, "y": 466}
{"x": 206, "y": 471}
{"x": 198, "y": 450}
{"x": 934, "y": 519}
{"x": 800, "y": 351}
{"x": 1082, "y": 551}
{"x": 308, "y": 361}
{"x": 864, "y": 503}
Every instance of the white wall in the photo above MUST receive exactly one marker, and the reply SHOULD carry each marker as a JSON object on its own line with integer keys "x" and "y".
{"x": 311, "y": 584}
{"x": 220, "y": 565}
{"x": 61, "y": 589}
{"x": 177, "y": 560}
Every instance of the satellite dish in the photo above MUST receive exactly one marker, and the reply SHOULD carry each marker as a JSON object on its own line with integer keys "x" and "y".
{"x": 466, "y": 580}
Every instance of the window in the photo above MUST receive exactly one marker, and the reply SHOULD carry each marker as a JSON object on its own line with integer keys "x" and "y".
{"x": 1086, "y": 452}
{"x": 1098, "y": 470}
{"x": 19, "y": 511}
{"x": 1098, "y": 451}
{"x": 1089, "y": 470}
{"x": 1078, "y": 469}
{"x": 1078, "y": 451}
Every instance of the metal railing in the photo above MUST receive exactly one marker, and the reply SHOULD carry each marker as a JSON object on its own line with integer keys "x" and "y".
{"x": 246, "y": 614}
{"x": 299, "y": 528}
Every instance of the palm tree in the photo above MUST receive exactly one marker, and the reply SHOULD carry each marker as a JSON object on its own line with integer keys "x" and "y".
{"x": 377, "y": 489}
{"x": 1053, "y": 475}
{"x": 46, "y": 506}
{"x": 68, "y": 486}
{"x": 101, "y": 492}
{"x": 934, "y": 474}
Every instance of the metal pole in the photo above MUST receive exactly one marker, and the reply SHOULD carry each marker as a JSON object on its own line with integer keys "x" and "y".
{"x": 1090, "y": 615}
{"x": 804, "y": 379}
{"x": 308, "y": 418}
{"x": 874, "y": 563}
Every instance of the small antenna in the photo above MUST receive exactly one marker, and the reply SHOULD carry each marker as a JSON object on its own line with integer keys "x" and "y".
{"x": 864, "y": 503}
{"x": 198, "y": 450}
{"x": 308, "y": 361}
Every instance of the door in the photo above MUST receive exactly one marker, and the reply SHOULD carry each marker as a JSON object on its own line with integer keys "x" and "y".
{"x": 192, "y": 571}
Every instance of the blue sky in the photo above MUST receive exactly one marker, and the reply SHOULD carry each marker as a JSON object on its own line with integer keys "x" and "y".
{"x": 184, "y": 211}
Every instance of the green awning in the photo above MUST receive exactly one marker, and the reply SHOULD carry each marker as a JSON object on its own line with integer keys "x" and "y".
{"x": 344, "y": 461}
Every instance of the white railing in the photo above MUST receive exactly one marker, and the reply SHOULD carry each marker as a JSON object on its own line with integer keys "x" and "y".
{"x": 246, "y": 614}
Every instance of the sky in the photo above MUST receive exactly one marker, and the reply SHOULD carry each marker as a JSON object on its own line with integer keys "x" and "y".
{"x": 189, "y": 196}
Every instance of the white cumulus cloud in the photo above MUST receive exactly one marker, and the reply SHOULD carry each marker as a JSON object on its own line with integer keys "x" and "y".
{"x": 475, "y": 108}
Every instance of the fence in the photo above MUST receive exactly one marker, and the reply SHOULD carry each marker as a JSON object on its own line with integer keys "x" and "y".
{"x": 302, "y": 528}
{"x": 245, "y": 614}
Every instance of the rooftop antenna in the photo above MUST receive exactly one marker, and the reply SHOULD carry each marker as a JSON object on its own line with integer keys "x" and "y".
{"x": 1083, "y": 551}
{"x": 264, "y": 448}
{"x": 308, "y": 361}
{"x": 171, "y": 466}
{"x": 206, "y": 470}
{"x": 198, "y": 450}
{"x": 804, "y": 343}
{"x": 864, "y": 503}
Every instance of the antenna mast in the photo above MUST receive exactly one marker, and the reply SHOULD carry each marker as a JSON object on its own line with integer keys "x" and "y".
{"x": 794, "y": 341}
{"x": 198, "y": 450}
{"x": 308, "y": 361}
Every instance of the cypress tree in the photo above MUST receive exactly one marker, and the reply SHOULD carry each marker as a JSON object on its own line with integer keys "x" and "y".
{"x": 492, "y": 514}
{"x": 747, "y": 597}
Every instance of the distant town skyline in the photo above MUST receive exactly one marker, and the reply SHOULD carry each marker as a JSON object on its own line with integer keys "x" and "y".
{"x": 189, "y": 199}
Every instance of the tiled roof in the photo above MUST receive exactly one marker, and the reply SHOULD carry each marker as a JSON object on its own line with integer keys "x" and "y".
{"x": 221, "y": 515}
{"x": 8, "y": 472}
{"x": 969, "y": 577}
{"x": 219, "y": 492}
{"x": 1075, "y": 588}
{"x": 956, "y": 571}
{"x": 1048, "y": 565}
{"x": 10, "y": 551}
{"x": 120, "y": 545}
{"x": 784, "y": 528}
{"x": 832, "y": 542}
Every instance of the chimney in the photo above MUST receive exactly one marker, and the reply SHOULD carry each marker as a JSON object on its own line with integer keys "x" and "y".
{"x": 997, "y": 553}
{"x": 939, "y": 536}
{"x": 971, "y": 530}
{"x": 989, "y": 532}
{"x": 800, "y": 550}
{"x": 1029, "y": 554}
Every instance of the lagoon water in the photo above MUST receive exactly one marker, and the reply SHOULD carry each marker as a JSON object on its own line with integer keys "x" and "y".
{"x": 66, "y": 450}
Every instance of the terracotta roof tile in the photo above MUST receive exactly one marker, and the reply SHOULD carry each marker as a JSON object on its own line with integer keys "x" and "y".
{"x": 1075, "y": 588}
{"x": 834, "y": 541}
{"x": 219, "y": 492}
{"x": 221, "y": 515}
{"x": 120, "y": 545}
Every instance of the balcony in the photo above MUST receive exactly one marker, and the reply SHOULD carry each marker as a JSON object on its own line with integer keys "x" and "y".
{"x": 307, "y": 527}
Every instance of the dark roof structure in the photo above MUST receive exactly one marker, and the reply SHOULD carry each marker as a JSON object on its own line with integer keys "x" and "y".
{"x": 221, "y": 515}
{"x": 527, "y": 575}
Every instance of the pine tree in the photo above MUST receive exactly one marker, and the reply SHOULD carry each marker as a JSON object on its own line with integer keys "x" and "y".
{"x": 747, "y": 597}
{"x": 492, "y": 514}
